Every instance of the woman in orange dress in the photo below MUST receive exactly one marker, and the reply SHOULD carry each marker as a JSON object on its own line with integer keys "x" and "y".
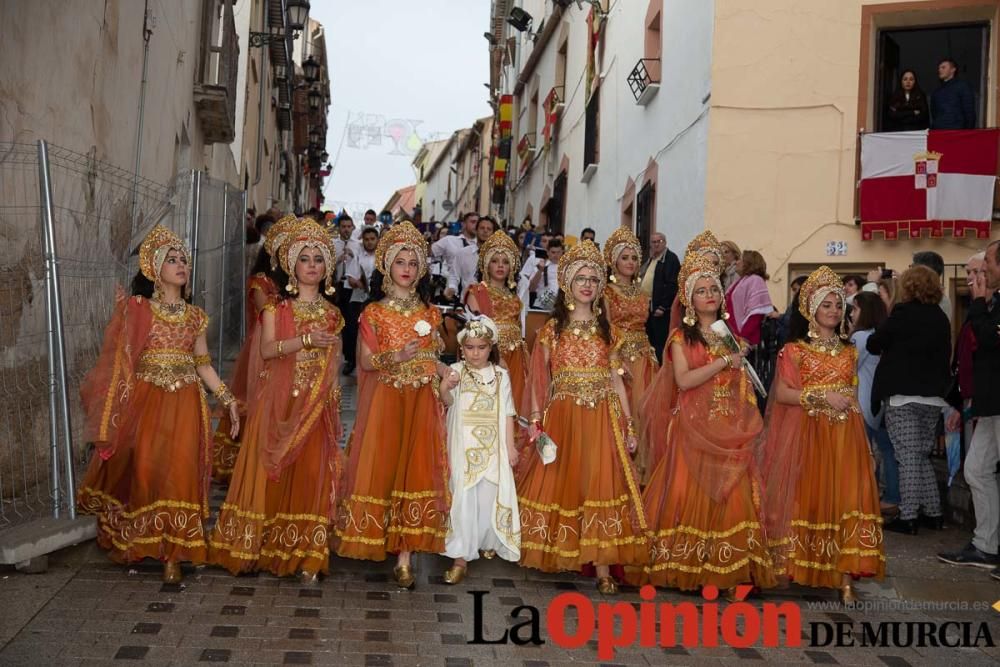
{"x": 261, "y": 290}
{"x": 584, "y": 507}
{"x": 821, "y": 500}
{"x": 627, "y": 309}
{"x": 148, "y": 418}
{"x": 494, "y": 297}
{"x": 282, "y": 497}
{"x": 703, "y": 500}
{"x": 394, "y": 498}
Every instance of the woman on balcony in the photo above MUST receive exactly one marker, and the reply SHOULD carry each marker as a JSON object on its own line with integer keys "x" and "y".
{"x": 908, "y": 108}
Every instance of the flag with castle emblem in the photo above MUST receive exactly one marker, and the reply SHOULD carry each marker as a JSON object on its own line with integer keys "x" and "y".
{"x": 928, "y": 180}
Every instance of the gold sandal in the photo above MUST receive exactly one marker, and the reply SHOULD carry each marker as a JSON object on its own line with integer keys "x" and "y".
{"x": 607, "y": 586}
{"x": 455, "y": 574}
{"x": 172, "y": 572}
{"x": 404, "y": 576}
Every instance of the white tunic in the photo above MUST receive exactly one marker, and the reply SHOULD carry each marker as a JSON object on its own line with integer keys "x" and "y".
{"x": 484, "y": 513}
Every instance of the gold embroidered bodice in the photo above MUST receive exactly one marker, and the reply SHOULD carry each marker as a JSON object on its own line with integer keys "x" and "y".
{"x": 507, "y": 315}
{"x": 479, "y": 400}
{"x": 827, "y": 370}
{"x": 394, "y": 328}
{"x": 167, "y": 361}
{"x": 727, "y": 384}
{"x": 627, "y": 315}
{"x": 578, "y": 361}
{"x": 319, "y": 315}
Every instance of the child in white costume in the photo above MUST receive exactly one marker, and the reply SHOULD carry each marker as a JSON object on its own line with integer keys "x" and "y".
{"x": 481, "y": 453}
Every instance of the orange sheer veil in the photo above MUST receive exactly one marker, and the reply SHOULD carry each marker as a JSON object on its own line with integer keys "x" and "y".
{"x": 717, "y": 427}
{"x": 781, "y": 455}
{"x": 107, "y": 390}
{"x": 285, "y": 427}
{"x": 655, "y": 413}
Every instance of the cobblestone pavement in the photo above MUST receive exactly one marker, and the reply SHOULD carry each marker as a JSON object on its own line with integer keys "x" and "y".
{"x": 87, "y": 611}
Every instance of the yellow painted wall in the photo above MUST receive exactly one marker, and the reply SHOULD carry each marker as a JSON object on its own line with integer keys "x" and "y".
{"x": 783, "y": 134}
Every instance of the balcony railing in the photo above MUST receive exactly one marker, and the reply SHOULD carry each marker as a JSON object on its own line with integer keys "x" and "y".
{"x": 215, "y": 92}
{"x": 644, "y": 80}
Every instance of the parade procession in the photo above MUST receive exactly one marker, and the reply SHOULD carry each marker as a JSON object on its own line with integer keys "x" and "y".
{"x": 611, "y": 377}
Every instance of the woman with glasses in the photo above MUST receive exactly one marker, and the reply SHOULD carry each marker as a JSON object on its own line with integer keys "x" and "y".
{"x": 583, "y": 508}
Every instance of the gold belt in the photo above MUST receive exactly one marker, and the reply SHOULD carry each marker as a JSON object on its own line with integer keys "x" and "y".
{"x": 633, "y": 345}
{"x": 510, "y": 335}
{"x": 167, "y": 369}
{"x": 418, "y": 371}
{"x": 586, "y": 386}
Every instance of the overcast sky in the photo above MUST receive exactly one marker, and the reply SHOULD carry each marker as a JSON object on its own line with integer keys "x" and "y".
{"x": 401, "y": 73}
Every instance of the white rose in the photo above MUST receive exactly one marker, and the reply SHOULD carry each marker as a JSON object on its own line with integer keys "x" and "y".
{"x": 423, "y": 328}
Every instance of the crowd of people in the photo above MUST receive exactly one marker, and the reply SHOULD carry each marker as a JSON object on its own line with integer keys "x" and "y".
{"x": 632, "y": 442}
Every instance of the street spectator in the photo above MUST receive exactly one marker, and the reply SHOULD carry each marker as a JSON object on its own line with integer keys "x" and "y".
{"x": 588, "y": 234}
{"x": 359, "y": 275}
{"x": 953, "y": 104}
{"x": 460, "y": 254}
{"x": 543, "y": 283}
{"x": 867, "y": 315}
{"x": 913, "y": 377}
{"x": 747, "y": 298}
{"x": 887, "y": 292}
{"x": 935, "y": 262}
{"x": 852, "y": 285}
{"x": 658, "y": 281}
{"x": 730, "y": 256}
{"x": 984, "y": 451}
{"x": 485, "y": 228}
{"x": 784, "y": 322}
{"x": 908, "y": 105}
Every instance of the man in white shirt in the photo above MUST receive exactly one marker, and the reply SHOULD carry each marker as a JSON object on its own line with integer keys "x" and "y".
{"x": 461, "y": 254}
{"x": 543, "y": 276}
{"x": 359, "y": 276}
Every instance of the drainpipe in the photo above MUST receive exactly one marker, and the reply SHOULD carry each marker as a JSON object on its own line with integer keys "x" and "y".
{"x": 260, "y": 102}
{"x": 147, "y": 32}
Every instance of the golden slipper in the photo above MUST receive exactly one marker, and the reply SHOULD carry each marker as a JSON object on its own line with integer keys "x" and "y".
{"x": 172, "y": 572}
{"x": 307, "y": 578}
{"x": 488, "y": 554}
{"x": 404, "y": 576}
{"x": 607, "y": 586}
{"x": 454, "y": 574}
{"x": 847, "y": 595}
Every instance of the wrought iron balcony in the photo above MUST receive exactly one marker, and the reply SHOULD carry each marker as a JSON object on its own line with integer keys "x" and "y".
{"x": 644, "y": 80}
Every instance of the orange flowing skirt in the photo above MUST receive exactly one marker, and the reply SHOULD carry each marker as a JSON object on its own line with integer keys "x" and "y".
{"x": 584, "y": 507}
{"x": 151, "y": 496}
{"x": 394, "y": 505}
{"x": 279, "y": 526}
{"x": 696, "y": 541}
{"x": 516, "y": 361}
{"x": 836, "y": 525}
{"x": 639, "y": 375}
{"x": 225, "y": 449}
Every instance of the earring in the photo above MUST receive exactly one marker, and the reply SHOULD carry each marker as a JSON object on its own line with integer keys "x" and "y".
{"x": 292, "y": 287}
{"x": 843, "y": 326}
{"x": 569, "y": 303}
{"x": 597, "y": 310}
{"x": 689, "y": 318}
{"x": 511, "y": 284}
{"x": 612, "y": 278}
{"x": 725, "y": 314}
{"x": 157, "y": 292}
{"x": 812, "y": 329}
{"x": 329, "y": 291}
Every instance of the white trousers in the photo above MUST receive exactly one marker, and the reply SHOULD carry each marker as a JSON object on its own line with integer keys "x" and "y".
{"x": 980, "y": 474}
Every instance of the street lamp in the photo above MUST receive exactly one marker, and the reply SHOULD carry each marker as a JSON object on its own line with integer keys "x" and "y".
{"x": 310, "y": 69}
{"x": 315, "y": 100}
{"x": 297, "y": 12}
{"x": 314, "y": 136}
{"x": 281, "y": 72}
{"x": 324, "y": 156}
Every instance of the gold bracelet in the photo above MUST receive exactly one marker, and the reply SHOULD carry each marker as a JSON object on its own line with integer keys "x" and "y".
{"x": 224, "y": 396}
{"x": 813, "y": 398}
{"x": 280, "y": 353}
{"x": 630, "y": 427}
{"x": 202, "y": 360}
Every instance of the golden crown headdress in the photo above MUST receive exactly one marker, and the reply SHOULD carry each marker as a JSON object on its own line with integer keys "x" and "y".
{"x": 695, "y": 267}
{"x": 620, "y": 239}
{"x": 580, "y": 255}
{"x": 821, "y": 283}
{"x": 276, "y": 234}
{"x": 705, "y": 243}
{"x": 499, "y": 242}
{"x": 305, "y": 233}
{"x": 401, "y": 236}
{"x": 479, "y": 326}
{"x": 154, "y": 248}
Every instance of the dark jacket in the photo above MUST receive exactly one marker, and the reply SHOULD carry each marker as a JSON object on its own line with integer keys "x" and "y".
{"x": 915, "y": 348}
{"x": 953, "y": 106}
{"x": 986, "y": 359}
{"x": 665, "y": 282}
{"x": 908, "y": 114}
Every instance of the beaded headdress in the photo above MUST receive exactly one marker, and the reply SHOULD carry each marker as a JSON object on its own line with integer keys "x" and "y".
{"x": 401, "y": 236}
{"x": 695, "y": 267}
{"x": 705, "y": 243}
{"x": 479, "y": 326}
{"x": 154, "y": 249}
{"x": 306, "y": 233}
{"x": 583, "y": 254}
{"x": 821, "y": 283}
{"x": 276, "y": 234}
{"x": 499, "y": 242}
{"x": 620, "y": 239}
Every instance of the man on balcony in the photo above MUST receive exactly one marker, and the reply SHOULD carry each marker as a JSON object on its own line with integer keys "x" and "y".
{"x": 953, "y": 104}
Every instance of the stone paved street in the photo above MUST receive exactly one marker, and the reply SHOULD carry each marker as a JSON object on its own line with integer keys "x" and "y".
{"x": 88, "y": 611}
